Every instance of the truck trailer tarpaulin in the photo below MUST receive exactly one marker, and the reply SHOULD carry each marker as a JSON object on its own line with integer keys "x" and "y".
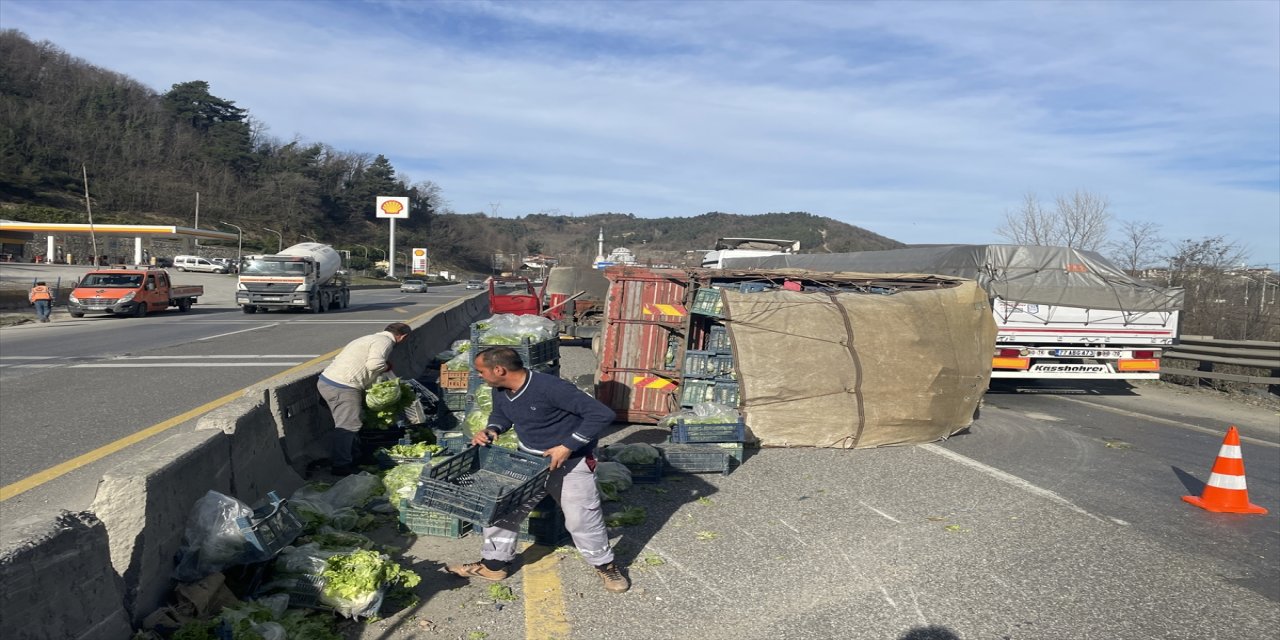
{"x": 850, "y": 360}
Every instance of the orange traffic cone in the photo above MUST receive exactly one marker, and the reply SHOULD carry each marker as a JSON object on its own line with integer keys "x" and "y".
{"x": 1226, "y": 492}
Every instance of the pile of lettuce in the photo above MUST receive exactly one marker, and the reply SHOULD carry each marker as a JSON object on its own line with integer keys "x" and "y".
{"x": 385, "y": 402}
{"x": 419, "y": 450}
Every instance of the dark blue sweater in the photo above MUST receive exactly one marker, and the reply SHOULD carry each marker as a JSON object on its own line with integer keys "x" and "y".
{"x": 547, "y": 411}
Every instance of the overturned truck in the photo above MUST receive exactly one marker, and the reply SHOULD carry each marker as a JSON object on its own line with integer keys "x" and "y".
{"x": 1061, "y": 312}
{"x": 830, "y": 360}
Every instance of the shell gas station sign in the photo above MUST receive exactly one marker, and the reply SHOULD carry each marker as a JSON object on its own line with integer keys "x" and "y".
{"x": 394, "y": 207}
{"x": 419, "y": 261}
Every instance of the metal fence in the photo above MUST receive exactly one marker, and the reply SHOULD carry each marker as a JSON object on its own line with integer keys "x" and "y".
{"x": 1235, "y": 354}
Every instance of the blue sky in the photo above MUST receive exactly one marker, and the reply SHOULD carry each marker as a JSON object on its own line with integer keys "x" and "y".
{"x": 921, "y": 121}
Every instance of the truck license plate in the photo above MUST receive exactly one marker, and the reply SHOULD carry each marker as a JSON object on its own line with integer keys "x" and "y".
{"x": 1075, "y": 353}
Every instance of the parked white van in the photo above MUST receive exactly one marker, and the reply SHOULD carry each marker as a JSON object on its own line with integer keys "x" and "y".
{"x": 196, "y": 263}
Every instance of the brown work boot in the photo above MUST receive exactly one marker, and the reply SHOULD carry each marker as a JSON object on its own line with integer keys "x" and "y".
{"x": 477, "y": 570}
{"x": 614, "y": 581}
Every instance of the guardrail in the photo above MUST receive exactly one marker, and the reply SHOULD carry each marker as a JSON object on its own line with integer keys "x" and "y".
{"x": 1241, "y": 353}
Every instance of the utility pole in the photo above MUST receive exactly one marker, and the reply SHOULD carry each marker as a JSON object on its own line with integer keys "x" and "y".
{"x": 93, "y": 238}
{"x": 197, "y": 222}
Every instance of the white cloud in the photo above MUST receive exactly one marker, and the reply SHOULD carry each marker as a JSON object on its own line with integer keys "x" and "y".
{"x": 920, "y": 121}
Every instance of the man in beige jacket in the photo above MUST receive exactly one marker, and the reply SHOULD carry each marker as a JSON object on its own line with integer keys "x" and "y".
{"x": 342, "y": 385}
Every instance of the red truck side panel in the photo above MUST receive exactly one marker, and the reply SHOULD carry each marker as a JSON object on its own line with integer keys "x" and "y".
{"x": 643, "y": 342}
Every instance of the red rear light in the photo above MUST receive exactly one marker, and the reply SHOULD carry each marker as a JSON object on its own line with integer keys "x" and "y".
{"x": 1009, "y": 353}
{"x": 1144, "y": 355}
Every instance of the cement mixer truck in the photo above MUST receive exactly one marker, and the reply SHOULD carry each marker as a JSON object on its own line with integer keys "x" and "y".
{"x": 306, "y": 276}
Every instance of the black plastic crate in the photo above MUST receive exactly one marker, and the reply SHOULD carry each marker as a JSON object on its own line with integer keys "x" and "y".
{"x": 646, "y": 473}
{"x": 685, "y": 433}
{"x": 386, "y": 460}
{"x": 694, "y": 391}
{"x": 718, "y": 340}
{"x": 425, "y": 522}
{"x": 545, "y": 525}
{"x": 304, "y": 592}
{"x": 453, "y": 441}
{"x": 725, "y": 393}
{"x": 455, "y": 400}
{"x": 696, "y": 458}
{"x": 481, "y": 484}
{"x": 271, "y": 528}
{"x": 531, "y": 353}
{"x": 640, "y": 473}
{"x": 707, "y": 301}
{"x": 707, "y": 365}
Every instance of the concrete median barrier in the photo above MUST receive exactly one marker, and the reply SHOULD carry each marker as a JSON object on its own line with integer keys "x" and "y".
{"x": 99, "y": 573}
{"x": 59, "y": 583}
{"x": 144, "y": 504}
{"x": 257, "y": 458}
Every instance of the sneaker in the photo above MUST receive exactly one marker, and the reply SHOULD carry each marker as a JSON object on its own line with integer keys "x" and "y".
{"x": 614, "y": 581}
{"x": 477, "y": 570}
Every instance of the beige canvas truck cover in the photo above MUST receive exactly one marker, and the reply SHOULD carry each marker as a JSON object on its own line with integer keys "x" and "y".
{"x": 860, "y": 370}
{"x": 1045, "y": 275}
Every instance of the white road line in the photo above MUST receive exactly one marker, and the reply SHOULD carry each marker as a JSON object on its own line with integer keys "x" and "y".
{"x": 29, "y": 366}
{"x": 881, "y": 513}
{"x": 232, "y": 333}
{"x": 122, "y": 365}
{"x": 1175, "y": 423}
{"x": 1011, "y": 479}
{"x": 27, "y": 357}
{"x": 246, "y": 355}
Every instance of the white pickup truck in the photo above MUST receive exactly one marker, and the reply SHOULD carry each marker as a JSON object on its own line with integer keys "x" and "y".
{"x": 1061, "y": 312}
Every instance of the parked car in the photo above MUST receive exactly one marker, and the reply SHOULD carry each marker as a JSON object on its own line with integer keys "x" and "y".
{"x": 196, "y": 263}
{"x": 475, "y": 284}
{"x": 226, "y": 262}
{"x": 413, "y": 286}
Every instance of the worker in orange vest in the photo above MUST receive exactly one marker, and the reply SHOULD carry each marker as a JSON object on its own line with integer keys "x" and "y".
{"x": 42, "y": 298}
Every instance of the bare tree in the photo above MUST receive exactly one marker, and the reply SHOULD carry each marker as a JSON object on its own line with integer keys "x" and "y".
{"x": 1030, "y": 224}
{"x": 1079, "y": 220}
{"x": 1138, "y": 246}
{"x": 1083, "y": 218}
{"x": 1204, "y": 268}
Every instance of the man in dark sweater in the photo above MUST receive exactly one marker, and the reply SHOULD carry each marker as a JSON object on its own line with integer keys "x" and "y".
{"x": 554, "y": 419}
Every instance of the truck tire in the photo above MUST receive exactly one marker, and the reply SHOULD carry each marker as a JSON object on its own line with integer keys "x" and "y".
{"x": 248, "y": 308}
{"x": 140, "y": 311}
{"x": 346, "y": 299}
{"x": 76, "y": 314}
{"x": 184, "y": 305}
{"x": 315, "y": 304}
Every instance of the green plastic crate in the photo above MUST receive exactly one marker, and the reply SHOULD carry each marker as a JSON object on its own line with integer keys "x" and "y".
{"x": 426, "y": 522}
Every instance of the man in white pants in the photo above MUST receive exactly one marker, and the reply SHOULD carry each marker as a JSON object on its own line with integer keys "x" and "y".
{"x": 557, "y": 420}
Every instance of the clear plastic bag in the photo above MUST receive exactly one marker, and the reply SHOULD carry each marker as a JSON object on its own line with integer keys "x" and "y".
{"x": 633, "y": 453}
{"x": 212, "y": 540}
{"x": 612, "y": 478}
{"x": 702, "y": 413}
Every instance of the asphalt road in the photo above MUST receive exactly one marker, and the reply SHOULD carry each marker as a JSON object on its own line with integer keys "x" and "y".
{"x": 72, "y": 386}
{"x": 1057, "y": 516}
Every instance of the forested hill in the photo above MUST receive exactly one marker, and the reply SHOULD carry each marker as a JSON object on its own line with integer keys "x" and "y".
{"x": 147, "y": 154}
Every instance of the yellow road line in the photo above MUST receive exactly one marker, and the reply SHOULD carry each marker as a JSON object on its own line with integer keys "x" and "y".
{"x": 36, "y": 479}
{"x": 544, "y": 617}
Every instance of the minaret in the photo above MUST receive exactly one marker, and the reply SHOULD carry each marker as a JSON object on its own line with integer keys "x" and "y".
{"x": 600, "y": 247}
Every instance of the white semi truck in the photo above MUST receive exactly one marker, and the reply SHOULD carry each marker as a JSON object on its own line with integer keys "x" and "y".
{"x": 306, "y": 276}
{"x": 1060, "y": 312}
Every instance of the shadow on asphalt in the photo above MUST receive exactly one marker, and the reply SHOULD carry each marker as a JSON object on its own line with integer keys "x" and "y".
{"x": 931, "y": 632}
{"x": 1193, "y": 485}
{"x": 1062, "y": 387}
{"x": 660, "y": 500}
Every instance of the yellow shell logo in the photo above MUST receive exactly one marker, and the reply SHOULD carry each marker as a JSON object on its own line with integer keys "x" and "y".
{"x": 419, "y": 252}
{"x": 391, "y": 207}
